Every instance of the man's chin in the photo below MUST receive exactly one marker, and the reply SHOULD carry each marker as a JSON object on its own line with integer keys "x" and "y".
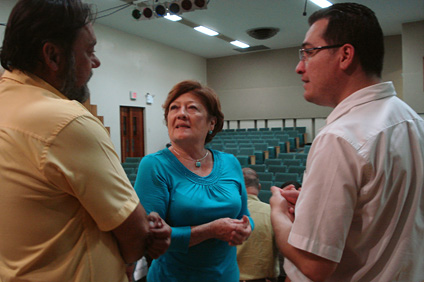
{"x": 81, "y": 94}
{"x": 310, "y": 98}
{"x": 85, "y": 94}
{"x": 307, "y": 97}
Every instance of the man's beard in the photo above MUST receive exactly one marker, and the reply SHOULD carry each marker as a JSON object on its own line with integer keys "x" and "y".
{"x": 69, "y": 89}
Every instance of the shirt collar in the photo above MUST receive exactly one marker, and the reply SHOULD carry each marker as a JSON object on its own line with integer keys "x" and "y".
{"x": 31, "y": 79}
{"x": 362, "y": 96}
{"x": 253, "y": 197}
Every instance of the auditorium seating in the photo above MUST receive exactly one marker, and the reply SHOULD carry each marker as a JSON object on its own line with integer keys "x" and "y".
{"x": 265, "y": 176}
{"x": 277, "y": 168}
{"x": 258, "y": 167}
{"x": 131, "y": 167}
{"x": 264, "y": 196}
{"x": 275, "y": 150}
{"x": 281, "y": 177}
{"x": 266, "y": 150}
{"x": 266, "y": 185}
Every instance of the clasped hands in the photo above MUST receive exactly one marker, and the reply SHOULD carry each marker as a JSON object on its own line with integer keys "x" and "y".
{"x": 159, "y": 237}
{"x": 284, "y": 200}
{"x": 233, "y": 231}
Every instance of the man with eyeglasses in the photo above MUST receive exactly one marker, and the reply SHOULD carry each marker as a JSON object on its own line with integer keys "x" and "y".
{"x": 359, "y": 216}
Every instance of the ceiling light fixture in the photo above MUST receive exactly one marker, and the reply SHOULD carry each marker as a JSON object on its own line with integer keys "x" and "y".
{"x": 160, "y": 10}
{"x": 206, "y": 30}
{"x": 262, "y": 33}
{"x": 174, "y": 8}
{"x": 136, "y": 14}
{"x": 322, "y": 3}
{"x": 240, "y": 44}
{"x": 174, "y": 18}
{"x": 190, "y": 5}
{"x": 145, "y": 11}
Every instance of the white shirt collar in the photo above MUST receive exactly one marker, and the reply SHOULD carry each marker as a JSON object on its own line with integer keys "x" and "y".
{"x": 362, "y": 96}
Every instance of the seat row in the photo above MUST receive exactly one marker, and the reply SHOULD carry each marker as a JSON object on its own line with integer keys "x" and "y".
{"x": 297, "y": 134}
{"x": 130, "y": 166}
{"x": 295, "y": 140}
{"x": 265, "y": 192}
{"x": 260, "y": 161}
{"x": 260, "y": 151}
{"x": 301, "y": 129}
{"x": 278, "y": 178}
{"x": 264, "y": 196}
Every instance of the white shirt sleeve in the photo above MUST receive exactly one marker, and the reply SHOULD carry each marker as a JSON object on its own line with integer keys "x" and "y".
{"x": 326, "y": 204}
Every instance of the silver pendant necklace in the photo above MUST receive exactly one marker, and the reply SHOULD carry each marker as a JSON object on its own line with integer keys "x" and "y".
{"x": 197, "y": 162}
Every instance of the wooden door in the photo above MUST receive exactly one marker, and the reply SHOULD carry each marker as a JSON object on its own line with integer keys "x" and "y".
{"x": 132, "y": 132}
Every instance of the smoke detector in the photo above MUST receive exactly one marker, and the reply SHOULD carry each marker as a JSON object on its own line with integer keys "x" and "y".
{"x": 262, "y": 33}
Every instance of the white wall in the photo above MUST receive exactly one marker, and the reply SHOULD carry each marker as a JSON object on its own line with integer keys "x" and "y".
{"x": 260, "y": 85}
{"x": 256, "y": 86}
{"x": 131, "y": 63}
{"x": 264, "y": 85}
{"x": 413, "y": 63}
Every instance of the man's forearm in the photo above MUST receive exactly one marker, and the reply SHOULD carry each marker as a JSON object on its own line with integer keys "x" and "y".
{"x": 132, "y": 235}
{"x": 314, "y": 267}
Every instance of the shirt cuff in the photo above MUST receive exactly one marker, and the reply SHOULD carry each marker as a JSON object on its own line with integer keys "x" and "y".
{"x": 180, "y": 239}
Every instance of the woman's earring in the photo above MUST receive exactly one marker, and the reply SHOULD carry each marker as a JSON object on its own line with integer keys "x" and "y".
{"x": 210, "y": 132}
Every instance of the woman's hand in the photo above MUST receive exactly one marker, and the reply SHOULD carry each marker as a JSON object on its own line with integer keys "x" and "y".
{"x": 233, "y": 231}
{"x": 222, "y": 228}
{"x": 242, "y": 232}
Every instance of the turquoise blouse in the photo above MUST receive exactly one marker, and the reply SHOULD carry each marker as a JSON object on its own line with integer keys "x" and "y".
{"x": 184, "y": 199}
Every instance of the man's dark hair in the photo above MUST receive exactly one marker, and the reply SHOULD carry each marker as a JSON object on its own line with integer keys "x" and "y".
{"x": 357, "y": 25}
{"x": 296, "y": 184}
{"x": 32, "y": 23}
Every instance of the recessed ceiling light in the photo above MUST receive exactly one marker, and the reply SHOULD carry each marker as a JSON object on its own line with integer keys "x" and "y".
{"x": 173, "y": 18}
{"x": 206, "y": 30}
{"x": 322, "y": 3}
{"x": 239, "y": 44}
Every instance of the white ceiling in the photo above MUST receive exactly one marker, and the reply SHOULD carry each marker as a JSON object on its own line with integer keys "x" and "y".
{"x": 232, "y": 18}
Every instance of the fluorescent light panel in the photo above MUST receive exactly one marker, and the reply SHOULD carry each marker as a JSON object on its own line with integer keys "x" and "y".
{"x": 322, "y": 3}
{"x": 174, "y": 18}
{"x": 239, "y": 44}
{"x": 206, "y": 30}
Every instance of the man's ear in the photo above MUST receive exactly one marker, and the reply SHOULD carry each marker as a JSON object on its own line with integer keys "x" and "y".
{"x": 53, "y": 56}
{"x": 347, "y": 56}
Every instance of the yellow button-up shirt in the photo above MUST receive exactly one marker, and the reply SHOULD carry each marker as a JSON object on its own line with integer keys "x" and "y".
{"x": 62, "y": 188}
{"x": 258, "y": 256}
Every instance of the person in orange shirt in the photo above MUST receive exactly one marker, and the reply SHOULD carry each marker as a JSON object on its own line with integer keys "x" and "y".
{"x": 67, "y": 210}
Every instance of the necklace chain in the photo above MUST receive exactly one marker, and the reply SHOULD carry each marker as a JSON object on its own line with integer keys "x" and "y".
{"x": 197, "y": 162}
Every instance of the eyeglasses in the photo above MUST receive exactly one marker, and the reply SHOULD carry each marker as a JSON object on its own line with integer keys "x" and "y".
{"x": 305, "y": 54}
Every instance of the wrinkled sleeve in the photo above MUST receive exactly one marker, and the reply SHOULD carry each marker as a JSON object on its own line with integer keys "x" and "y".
{"x": 325, "y": 207}
{"x": 80, "y": 160}
{"x": 151, "y": 186}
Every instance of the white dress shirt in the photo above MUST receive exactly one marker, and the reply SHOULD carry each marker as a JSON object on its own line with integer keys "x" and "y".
{"x": 362, "y": 200}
